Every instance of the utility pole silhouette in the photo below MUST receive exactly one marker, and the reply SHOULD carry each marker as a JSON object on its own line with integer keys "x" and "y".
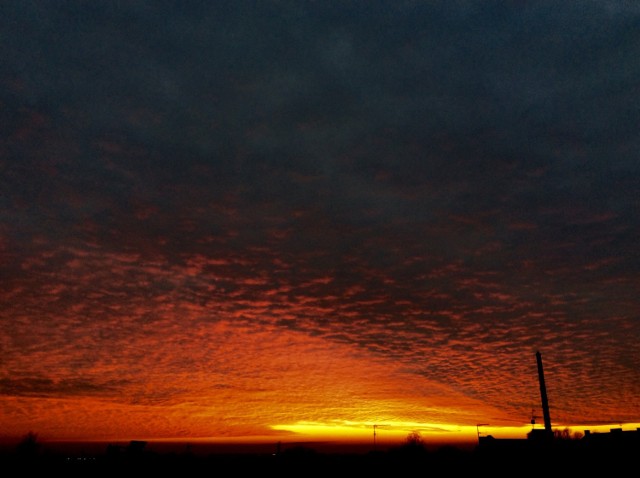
{"x": 374, "y": 437}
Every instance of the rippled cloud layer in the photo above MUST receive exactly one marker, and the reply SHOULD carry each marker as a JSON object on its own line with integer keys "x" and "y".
{"x": 216, "y": 219}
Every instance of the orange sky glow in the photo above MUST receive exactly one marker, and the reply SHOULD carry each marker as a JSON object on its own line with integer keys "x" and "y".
{"x": 240, "y": 387}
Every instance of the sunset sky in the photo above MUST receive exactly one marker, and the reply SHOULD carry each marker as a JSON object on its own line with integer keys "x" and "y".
{"x": 294, "y": 220}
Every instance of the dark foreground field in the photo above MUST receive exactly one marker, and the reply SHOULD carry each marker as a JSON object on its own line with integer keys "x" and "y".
{"x": 305, "y": 461}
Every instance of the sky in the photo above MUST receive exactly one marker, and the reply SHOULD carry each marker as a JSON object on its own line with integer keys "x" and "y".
{"x": 295, "y": 220}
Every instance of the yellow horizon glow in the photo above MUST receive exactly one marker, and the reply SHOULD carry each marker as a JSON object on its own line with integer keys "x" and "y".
{"x": 390, "y": 433}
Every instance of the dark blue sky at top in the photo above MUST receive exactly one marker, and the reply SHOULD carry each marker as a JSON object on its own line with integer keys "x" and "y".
{"x": 451, "y": 162}
{"x": 366, "y": 115}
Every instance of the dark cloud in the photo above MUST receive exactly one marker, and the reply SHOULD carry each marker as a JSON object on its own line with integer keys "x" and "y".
{"x": 46, "y": 387}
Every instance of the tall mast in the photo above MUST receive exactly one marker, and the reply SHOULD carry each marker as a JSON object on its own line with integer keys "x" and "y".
{"x": 543, "y": 395}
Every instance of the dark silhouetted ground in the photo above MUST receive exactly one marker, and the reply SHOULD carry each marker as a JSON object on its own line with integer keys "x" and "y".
{"x": 505, "y": 459}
